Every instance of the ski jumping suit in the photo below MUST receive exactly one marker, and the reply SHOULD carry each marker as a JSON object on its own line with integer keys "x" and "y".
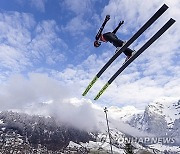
{"x": 112, "y": 38}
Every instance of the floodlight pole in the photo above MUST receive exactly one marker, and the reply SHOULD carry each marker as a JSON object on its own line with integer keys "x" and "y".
{"x": 105, "y": 110}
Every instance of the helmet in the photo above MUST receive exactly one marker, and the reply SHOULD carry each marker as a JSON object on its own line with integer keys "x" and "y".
{"x": 97, "y": 43}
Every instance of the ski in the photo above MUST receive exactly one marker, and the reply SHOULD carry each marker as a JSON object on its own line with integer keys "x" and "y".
{"x": 141, "y": 50}
{"x": 127, "y": 44}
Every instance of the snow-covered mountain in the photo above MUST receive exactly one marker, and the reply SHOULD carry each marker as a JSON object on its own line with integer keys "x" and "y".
{"x": 159, "y": 120}
{"x": 159, "y": 123}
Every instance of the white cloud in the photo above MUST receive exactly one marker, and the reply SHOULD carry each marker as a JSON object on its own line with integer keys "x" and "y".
{"x": 39, "y": 5}
{"x": 77, "y": 112}
{"x": 15, "y": 28}
{"x": 12, "y": 59}
{"x": 14, "y": 37}
{"x": 25, "y": 43}
{"x": 80, "y": 13}
{"x": 19, "y": 92}
{"x": 47, "y": 44}
{"x": 78, "y": 6}
{"x": 76, "y": 25}
{"x": 43, "y": 95}
{"x": 30, "y": 94}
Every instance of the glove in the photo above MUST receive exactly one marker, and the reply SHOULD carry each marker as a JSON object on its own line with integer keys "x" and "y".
{"x": 121, "y": 22}
{"x": 107, "y": 17}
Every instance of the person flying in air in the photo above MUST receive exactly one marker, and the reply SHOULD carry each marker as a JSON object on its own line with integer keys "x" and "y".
{"x": 112, "y": 38}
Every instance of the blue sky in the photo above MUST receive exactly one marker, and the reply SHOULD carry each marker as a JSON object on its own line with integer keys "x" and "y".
{"x": 47, "y": 53}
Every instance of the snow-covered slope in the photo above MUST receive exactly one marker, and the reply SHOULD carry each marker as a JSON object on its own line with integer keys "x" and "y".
{"x": 162, "y": 119}
{"x": 125, "y": 113}
{"x": 159, "y": 117}
{"x": 168, "y": 108}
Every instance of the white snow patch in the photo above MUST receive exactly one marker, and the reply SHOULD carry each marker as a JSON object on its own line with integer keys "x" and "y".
{"x": 124, "y": 113}
{"x": 1, "y": 122}
{"x": 167, "y": 107}
{"x": 165, "y": 147}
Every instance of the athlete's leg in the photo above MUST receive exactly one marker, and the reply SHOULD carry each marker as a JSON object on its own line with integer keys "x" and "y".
{"x": 128, "y": 52}
{"x": 112, "y": 38}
